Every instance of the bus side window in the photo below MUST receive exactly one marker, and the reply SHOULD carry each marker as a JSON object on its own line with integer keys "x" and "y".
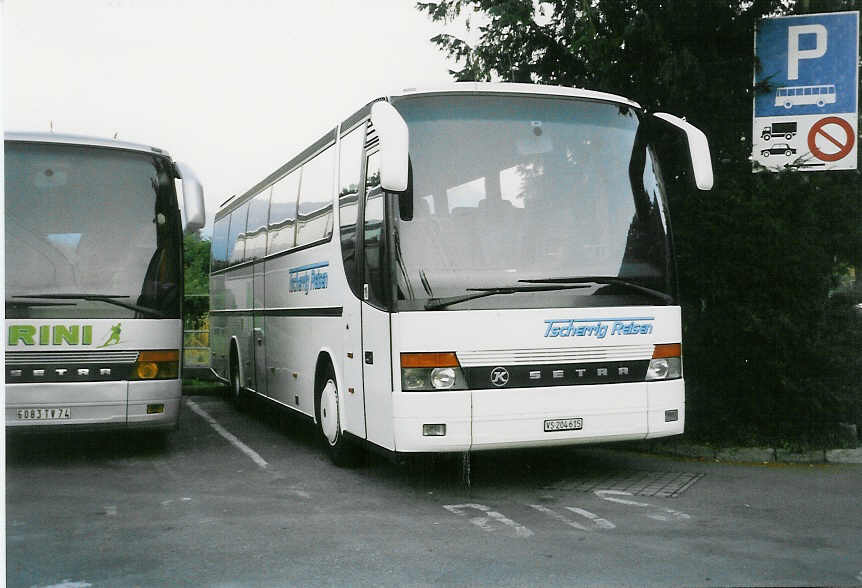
{"x": 219, "y": 244}
{"x": 258, "y": 215}
{"x": 282, "y": 213}
{"x": 236, "y": 235}
{"x": 314, "y": 213}
{"x": 350, "y": 175}
{"x": 373, "y": 227}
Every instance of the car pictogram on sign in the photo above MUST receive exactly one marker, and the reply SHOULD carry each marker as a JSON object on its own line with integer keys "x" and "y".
{"x": 778, "y": 149}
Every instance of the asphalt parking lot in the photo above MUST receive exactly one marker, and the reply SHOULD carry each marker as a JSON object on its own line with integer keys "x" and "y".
{"x": 250, "y": 498}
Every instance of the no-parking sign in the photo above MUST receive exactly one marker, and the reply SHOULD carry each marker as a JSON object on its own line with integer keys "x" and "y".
{"x": 805, "y": 110}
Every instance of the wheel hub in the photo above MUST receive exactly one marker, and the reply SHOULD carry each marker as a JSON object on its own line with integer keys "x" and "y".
{"x": 329, "y": 412}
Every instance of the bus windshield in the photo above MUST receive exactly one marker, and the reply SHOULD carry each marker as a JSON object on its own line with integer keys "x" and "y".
{"x": 91, "y": 232}
{"x": 510, "y": 192}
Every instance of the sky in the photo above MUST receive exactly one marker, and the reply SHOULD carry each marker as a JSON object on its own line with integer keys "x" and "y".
{"x": 233, "y": 88}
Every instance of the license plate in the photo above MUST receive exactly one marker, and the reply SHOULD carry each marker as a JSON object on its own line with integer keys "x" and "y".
{"x": 44, "y": 414}
{"x": 552, "y": 425}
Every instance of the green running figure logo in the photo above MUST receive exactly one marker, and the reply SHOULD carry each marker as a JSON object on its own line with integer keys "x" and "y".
{"x": 114, "y": 339}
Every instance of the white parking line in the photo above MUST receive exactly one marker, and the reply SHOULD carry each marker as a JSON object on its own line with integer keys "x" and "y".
{"x": 595, "y": 519}
{"x": 662, "y": 515}
{"x": 555, "y": 515}
{"x": 485, "y": 522}
{"x": 231, "y": 438}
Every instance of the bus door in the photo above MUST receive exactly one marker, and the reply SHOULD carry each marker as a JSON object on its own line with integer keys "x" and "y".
{"x": 376, "y": 331}
{"x": 258, "y": 339}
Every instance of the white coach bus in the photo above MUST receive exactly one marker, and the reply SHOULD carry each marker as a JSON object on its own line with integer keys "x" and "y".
{"x": 94, "y": 283}
{"x": 475, "y": 267}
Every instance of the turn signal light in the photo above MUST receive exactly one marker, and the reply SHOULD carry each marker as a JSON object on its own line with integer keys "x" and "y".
{"x": 162, "y": 364}
{"x": 423, "y": 372}
{"x": 667, "y": 350}
{"x": 666, "y": 363}
{"x": 426, "y": 360}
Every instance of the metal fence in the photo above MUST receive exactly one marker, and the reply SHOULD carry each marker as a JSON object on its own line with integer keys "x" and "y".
{"x": 196, "y": 348}
{"x": 196, "y": 341}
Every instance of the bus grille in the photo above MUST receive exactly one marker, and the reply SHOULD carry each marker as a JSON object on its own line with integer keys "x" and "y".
{"x": 607, "y": 353}
{"x": 43, "y": 367}
{"x": 64, "y": 357}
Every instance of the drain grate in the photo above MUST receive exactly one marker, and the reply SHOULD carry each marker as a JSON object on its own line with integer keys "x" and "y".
{"x": 637, "y": 483}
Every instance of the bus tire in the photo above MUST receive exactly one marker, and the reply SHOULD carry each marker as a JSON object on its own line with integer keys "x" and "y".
{"x": 788, "y": 136}
{"x": 766, "y": 136}
{"x": 237, "y": 396}
{"x": 341, "y": 451}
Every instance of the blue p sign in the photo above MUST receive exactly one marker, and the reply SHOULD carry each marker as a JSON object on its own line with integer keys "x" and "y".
{"x": 809, "y": 64}
{"x": 795, "y": 54}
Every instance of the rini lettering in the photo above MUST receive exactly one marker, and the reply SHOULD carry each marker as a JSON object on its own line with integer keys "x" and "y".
{"x": 50, "y": 335}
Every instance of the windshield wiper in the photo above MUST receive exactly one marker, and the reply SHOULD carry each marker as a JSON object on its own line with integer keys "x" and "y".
{"x": 29, "y": 304}
{"x": 100, "y": 298}
{"x": 609, "y": 280}
{"x": 437, "y": 303}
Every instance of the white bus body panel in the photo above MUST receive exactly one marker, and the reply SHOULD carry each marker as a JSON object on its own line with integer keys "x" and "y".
{"x": 117, "y": 403}
{"x": 91, "y": 402}
{"x": 514, "y": 417}
{"x": 378, "y": 375}
{"x": 303, "y": 325}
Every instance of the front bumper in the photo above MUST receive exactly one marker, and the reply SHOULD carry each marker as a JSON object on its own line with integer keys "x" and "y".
{"x": 95, "y": 405}
{"x": 514, "y": 418}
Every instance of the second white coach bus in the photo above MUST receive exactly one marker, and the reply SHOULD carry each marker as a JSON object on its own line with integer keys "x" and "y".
{"x": 94, "y": 282}
{"x": 475, "y": 267}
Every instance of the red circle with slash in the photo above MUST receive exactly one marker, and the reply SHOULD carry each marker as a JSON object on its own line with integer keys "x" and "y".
{"x": 817, "y": 129}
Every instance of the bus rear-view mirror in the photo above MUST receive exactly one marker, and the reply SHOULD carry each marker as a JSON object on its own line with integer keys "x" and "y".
{"x": 193, "y": 199}
{"x": 698, "y": 147}
{"x": 394, "y": 141}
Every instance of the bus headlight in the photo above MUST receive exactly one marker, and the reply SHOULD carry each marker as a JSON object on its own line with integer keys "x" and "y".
{"x": 666, "y": 362}
{"x": 443, "y": 378}
{"x": 156, "y": 365}
{"x": 431, "y": 371}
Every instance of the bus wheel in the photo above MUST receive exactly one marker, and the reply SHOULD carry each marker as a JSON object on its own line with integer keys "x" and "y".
{"x": 341, "y": 451}
{"x": 766, "y": 136}
{"x": 236, "y": 394}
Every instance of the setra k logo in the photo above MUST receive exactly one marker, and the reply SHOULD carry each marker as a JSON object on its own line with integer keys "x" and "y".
{"x": 499, "y": 376}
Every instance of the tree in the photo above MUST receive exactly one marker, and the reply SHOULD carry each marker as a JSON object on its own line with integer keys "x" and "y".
{"x": 196, "y": 263}
{"x": 771, "y": 351}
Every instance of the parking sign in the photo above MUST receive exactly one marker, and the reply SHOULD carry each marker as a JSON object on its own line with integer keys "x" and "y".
{"x": 807, "y": 117}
